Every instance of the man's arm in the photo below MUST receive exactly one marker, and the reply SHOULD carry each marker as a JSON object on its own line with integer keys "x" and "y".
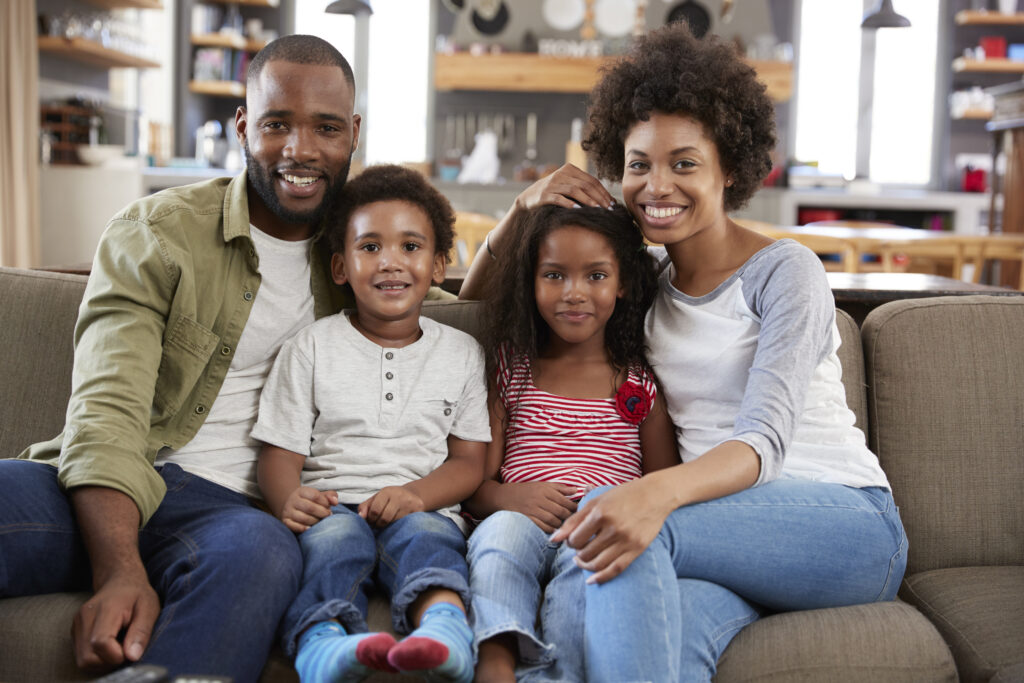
{"x": 123, "y": 598}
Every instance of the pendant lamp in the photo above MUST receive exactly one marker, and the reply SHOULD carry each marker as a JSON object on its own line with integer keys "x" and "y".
{"x": 884, "y": 16}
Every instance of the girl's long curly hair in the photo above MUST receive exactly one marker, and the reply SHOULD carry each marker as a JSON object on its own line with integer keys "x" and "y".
{"x": 512, "y": 319}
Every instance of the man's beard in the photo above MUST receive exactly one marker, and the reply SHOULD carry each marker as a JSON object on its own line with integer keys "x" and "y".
{"x": 260, "y": 180}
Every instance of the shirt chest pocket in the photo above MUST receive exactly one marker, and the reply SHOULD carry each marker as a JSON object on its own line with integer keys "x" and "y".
{"x": 436, "y": 415}
{"x": 186, "y": 352}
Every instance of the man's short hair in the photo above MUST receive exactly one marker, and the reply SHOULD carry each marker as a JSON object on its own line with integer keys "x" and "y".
{"x": 299, "y": 49}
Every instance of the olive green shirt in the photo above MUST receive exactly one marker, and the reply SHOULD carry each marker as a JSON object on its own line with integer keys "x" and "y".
{"x": 173, "y": 280}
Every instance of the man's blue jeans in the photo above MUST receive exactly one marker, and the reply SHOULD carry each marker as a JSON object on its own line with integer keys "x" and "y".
{"x": 510, "y": 563}
{"x": 716, "y": 566}
{"x": 340, "y": 553}
{"x": 224, "y": 570}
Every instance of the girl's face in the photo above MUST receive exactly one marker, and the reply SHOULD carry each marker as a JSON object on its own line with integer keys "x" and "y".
{"x": 673, "y": 182}
{"x": 576, "y": 283}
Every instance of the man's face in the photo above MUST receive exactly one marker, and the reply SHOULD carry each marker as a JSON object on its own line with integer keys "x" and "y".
{"x": 298, "y": 132}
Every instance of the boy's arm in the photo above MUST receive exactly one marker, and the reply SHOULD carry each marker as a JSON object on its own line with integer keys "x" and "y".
{"x": 483, "y": 501}
{"x": 450, "y": 483}
{"x": 279, "y": 473}
{"x": 658, "y": 439}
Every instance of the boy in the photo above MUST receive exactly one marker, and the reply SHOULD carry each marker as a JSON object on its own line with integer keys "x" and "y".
{"x": 375, "y": 423}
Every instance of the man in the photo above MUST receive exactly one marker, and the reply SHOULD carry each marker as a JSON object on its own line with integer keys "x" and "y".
{"x": 148, "y": 493}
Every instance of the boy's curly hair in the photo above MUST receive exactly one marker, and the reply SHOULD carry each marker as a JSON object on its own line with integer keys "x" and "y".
{"x": 670, "y": 71}
{"x": 387, "y": 182}
{"x": 512, "y": 317}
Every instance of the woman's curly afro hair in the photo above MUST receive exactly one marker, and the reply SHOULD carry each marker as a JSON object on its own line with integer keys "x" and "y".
{"x": 670, "y": 71}
{"x": 388, "y": 182}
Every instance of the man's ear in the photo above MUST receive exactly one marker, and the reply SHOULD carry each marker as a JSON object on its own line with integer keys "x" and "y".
{"x": 357, "y": 122}
{"x": 440, "y": 268}
{"x": 241, "y": 124}
{"x": 338, "y": 268}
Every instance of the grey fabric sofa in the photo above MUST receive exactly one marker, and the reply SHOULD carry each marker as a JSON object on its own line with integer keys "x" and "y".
{"x": 939, "y": 383}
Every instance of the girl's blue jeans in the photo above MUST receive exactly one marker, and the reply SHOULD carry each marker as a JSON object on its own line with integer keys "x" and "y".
{"x": 224, "y": 570}
{"x": 717, "y": 566}
{"x": 342, "y": 555}
{"x": 511, "y": 565}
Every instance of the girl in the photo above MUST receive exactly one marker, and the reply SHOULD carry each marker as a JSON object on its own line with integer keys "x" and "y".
{"x": 573, "y": 406}
{"x": 778, "y": 504}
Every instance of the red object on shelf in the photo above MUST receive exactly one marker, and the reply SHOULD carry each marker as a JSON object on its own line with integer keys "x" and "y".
{"x": 974, "y": 180}
{"x": 805, "y": 216}
{"x": 994, "y": 46}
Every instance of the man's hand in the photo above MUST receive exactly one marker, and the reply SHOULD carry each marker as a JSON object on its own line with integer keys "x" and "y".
{"x": 305, "y": 507}
{"x": 389, "y": 504}
{"x": 546, "y": 504}
{"x": 126, "y": 602}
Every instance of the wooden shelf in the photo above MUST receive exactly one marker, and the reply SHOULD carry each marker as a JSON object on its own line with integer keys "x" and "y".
{"x": 981, "y": 18}
{"x": 976, "y": 114}
{"x": 129, "y": 4}
{"x": 1000, "y": 66}
{"x": 93, "y": 53}
{"x": 217, "y": 88}
{"x": 522, "y": 72}
{"x": 249, "y": 3}
{"x": 229, "y": 40}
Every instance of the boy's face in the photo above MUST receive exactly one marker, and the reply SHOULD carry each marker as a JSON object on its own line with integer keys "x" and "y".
{"x": 390, "y": 261}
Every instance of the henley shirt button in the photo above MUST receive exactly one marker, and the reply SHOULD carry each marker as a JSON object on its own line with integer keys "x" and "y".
{"x": 225, "y": 350}
{"x": 389, "y": 355}
{"x": 200, "y": 410}
{"x": 247, "y": 296}
{"x": 389, "y": 375}
{"x": 447, "y": 411}
{"x": 389, "y": 396}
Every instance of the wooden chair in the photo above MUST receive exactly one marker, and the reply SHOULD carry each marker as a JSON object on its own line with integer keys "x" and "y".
{"x": 470, "y": 230}
{"x": 821, "y": 245}
{"x": 921, "y": 256}
{"x": 977, "y": 249}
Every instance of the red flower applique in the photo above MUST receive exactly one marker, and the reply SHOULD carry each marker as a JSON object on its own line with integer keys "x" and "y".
{"x": 632, "y": 402}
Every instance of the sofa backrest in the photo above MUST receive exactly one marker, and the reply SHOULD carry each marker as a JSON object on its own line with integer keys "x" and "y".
{"x": 37, "y": 320}
{"x": 946, "y": 409}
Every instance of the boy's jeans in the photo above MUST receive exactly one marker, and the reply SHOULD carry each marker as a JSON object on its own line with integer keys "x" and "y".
{"x": 786, "y": 545}
{"x": 224, "y": 571}
{"x": 510, "y": 561}
{"x": 340, "y": 553}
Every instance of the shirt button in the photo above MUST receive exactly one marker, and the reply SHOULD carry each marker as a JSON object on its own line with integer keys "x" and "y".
{"x": 447, "y": 411}
{"x": 247, "y": 296}
{"x": 389, "y": 375}
{"x": 225, "y": 350}
{"x": 389, "y": 355}
{"x": 389, "y": 396}
{"x": 200, "y": 410}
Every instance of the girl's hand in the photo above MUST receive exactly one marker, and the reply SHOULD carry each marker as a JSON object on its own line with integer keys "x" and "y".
{"x": 305, "y": 507}
{"x": 547, "y": 504}
{"x": 614, "y": 528}
{"x": 389, "y": 504}
{"x": 568, "y": 187}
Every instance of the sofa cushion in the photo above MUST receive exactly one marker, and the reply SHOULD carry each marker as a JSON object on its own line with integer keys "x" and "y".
{"x": 980, "y": 613}
{"x": 37, "y": 321}
{"x": 885, "y": 641}
{"x": 851, "y": 357}
{"x": 946, "y": 410}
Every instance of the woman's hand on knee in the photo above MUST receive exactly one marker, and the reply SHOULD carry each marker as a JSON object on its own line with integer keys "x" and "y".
{"x": 613, "y": 529}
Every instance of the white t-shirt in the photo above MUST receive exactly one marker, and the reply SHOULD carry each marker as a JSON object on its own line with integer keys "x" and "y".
{"x": 367, "y": 416}
{"x": 223, "y": 450}
{"x": 755, "y": 361}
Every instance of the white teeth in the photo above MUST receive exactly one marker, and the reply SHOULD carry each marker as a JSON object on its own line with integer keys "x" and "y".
{"x": 390, "y": 286}
{"x": 301, "y": 181}
{"x": 662, "y": 213}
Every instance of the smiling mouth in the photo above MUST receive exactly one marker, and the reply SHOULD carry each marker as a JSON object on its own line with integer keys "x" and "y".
{"x": 392, "y": 286}
{"x": 662, "y": 212}
{"x": 299, "y": 180}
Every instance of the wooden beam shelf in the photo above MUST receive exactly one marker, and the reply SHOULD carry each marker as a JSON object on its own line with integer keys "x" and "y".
{"x": 249, "y": 3}
{"x": 1001, "y": 66}
{"x": 976, "y": 114}
{"x": 217, "y": 88}
{"x": 525, "y": 72}
{"x": 94, "y": 53}
{"x": 983, "y": 18}
{"x": 127, "y": 4}
{"x": 228, "y": 40}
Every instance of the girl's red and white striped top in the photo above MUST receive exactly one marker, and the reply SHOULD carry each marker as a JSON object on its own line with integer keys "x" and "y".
{"x": 583, "y": 442}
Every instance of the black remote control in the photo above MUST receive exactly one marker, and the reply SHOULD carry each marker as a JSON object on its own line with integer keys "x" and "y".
{"x": 136, "y": 673}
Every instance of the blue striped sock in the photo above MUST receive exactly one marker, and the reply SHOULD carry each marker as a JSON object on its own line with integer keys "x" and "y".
{"x": 440, "y": 650}
{"x": 327, "y": 654}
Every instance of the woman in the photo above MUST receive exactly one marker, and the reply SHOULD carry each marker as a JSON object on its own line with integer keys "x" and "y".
{"x": 778, "y": 504}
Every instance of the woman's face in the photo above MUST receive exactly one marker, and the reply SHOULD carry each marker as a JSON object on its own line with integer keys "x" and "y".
{"x": 673, "y": 182}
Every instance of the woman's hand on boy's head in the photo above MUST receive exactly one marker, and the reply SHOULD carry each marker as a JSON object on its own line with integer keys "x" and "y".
{"x": 306, "y": 506}
{"x": 389, "y": 504}
{"x": 547, "y": 504}
{"x": 569, "y": 187}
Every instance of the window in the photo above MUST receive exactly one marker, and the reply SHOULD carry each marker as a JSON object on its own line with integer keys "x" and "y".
{"x": 893, "y": 143}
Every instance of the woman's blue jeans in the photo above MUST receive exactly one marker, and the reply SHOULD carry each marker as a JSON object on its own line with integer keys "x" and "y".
{"x": 341, "y": 553}
{"x": 510, "y": 563}
{"x": 717, "y": 566}
{"x": 224, "y": 570}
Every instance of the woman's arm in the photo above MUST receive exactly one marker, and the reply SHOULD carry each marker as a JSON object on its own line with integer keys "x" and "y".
{"x": 568, "y": 187}
{"x": 614, "y": 528}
